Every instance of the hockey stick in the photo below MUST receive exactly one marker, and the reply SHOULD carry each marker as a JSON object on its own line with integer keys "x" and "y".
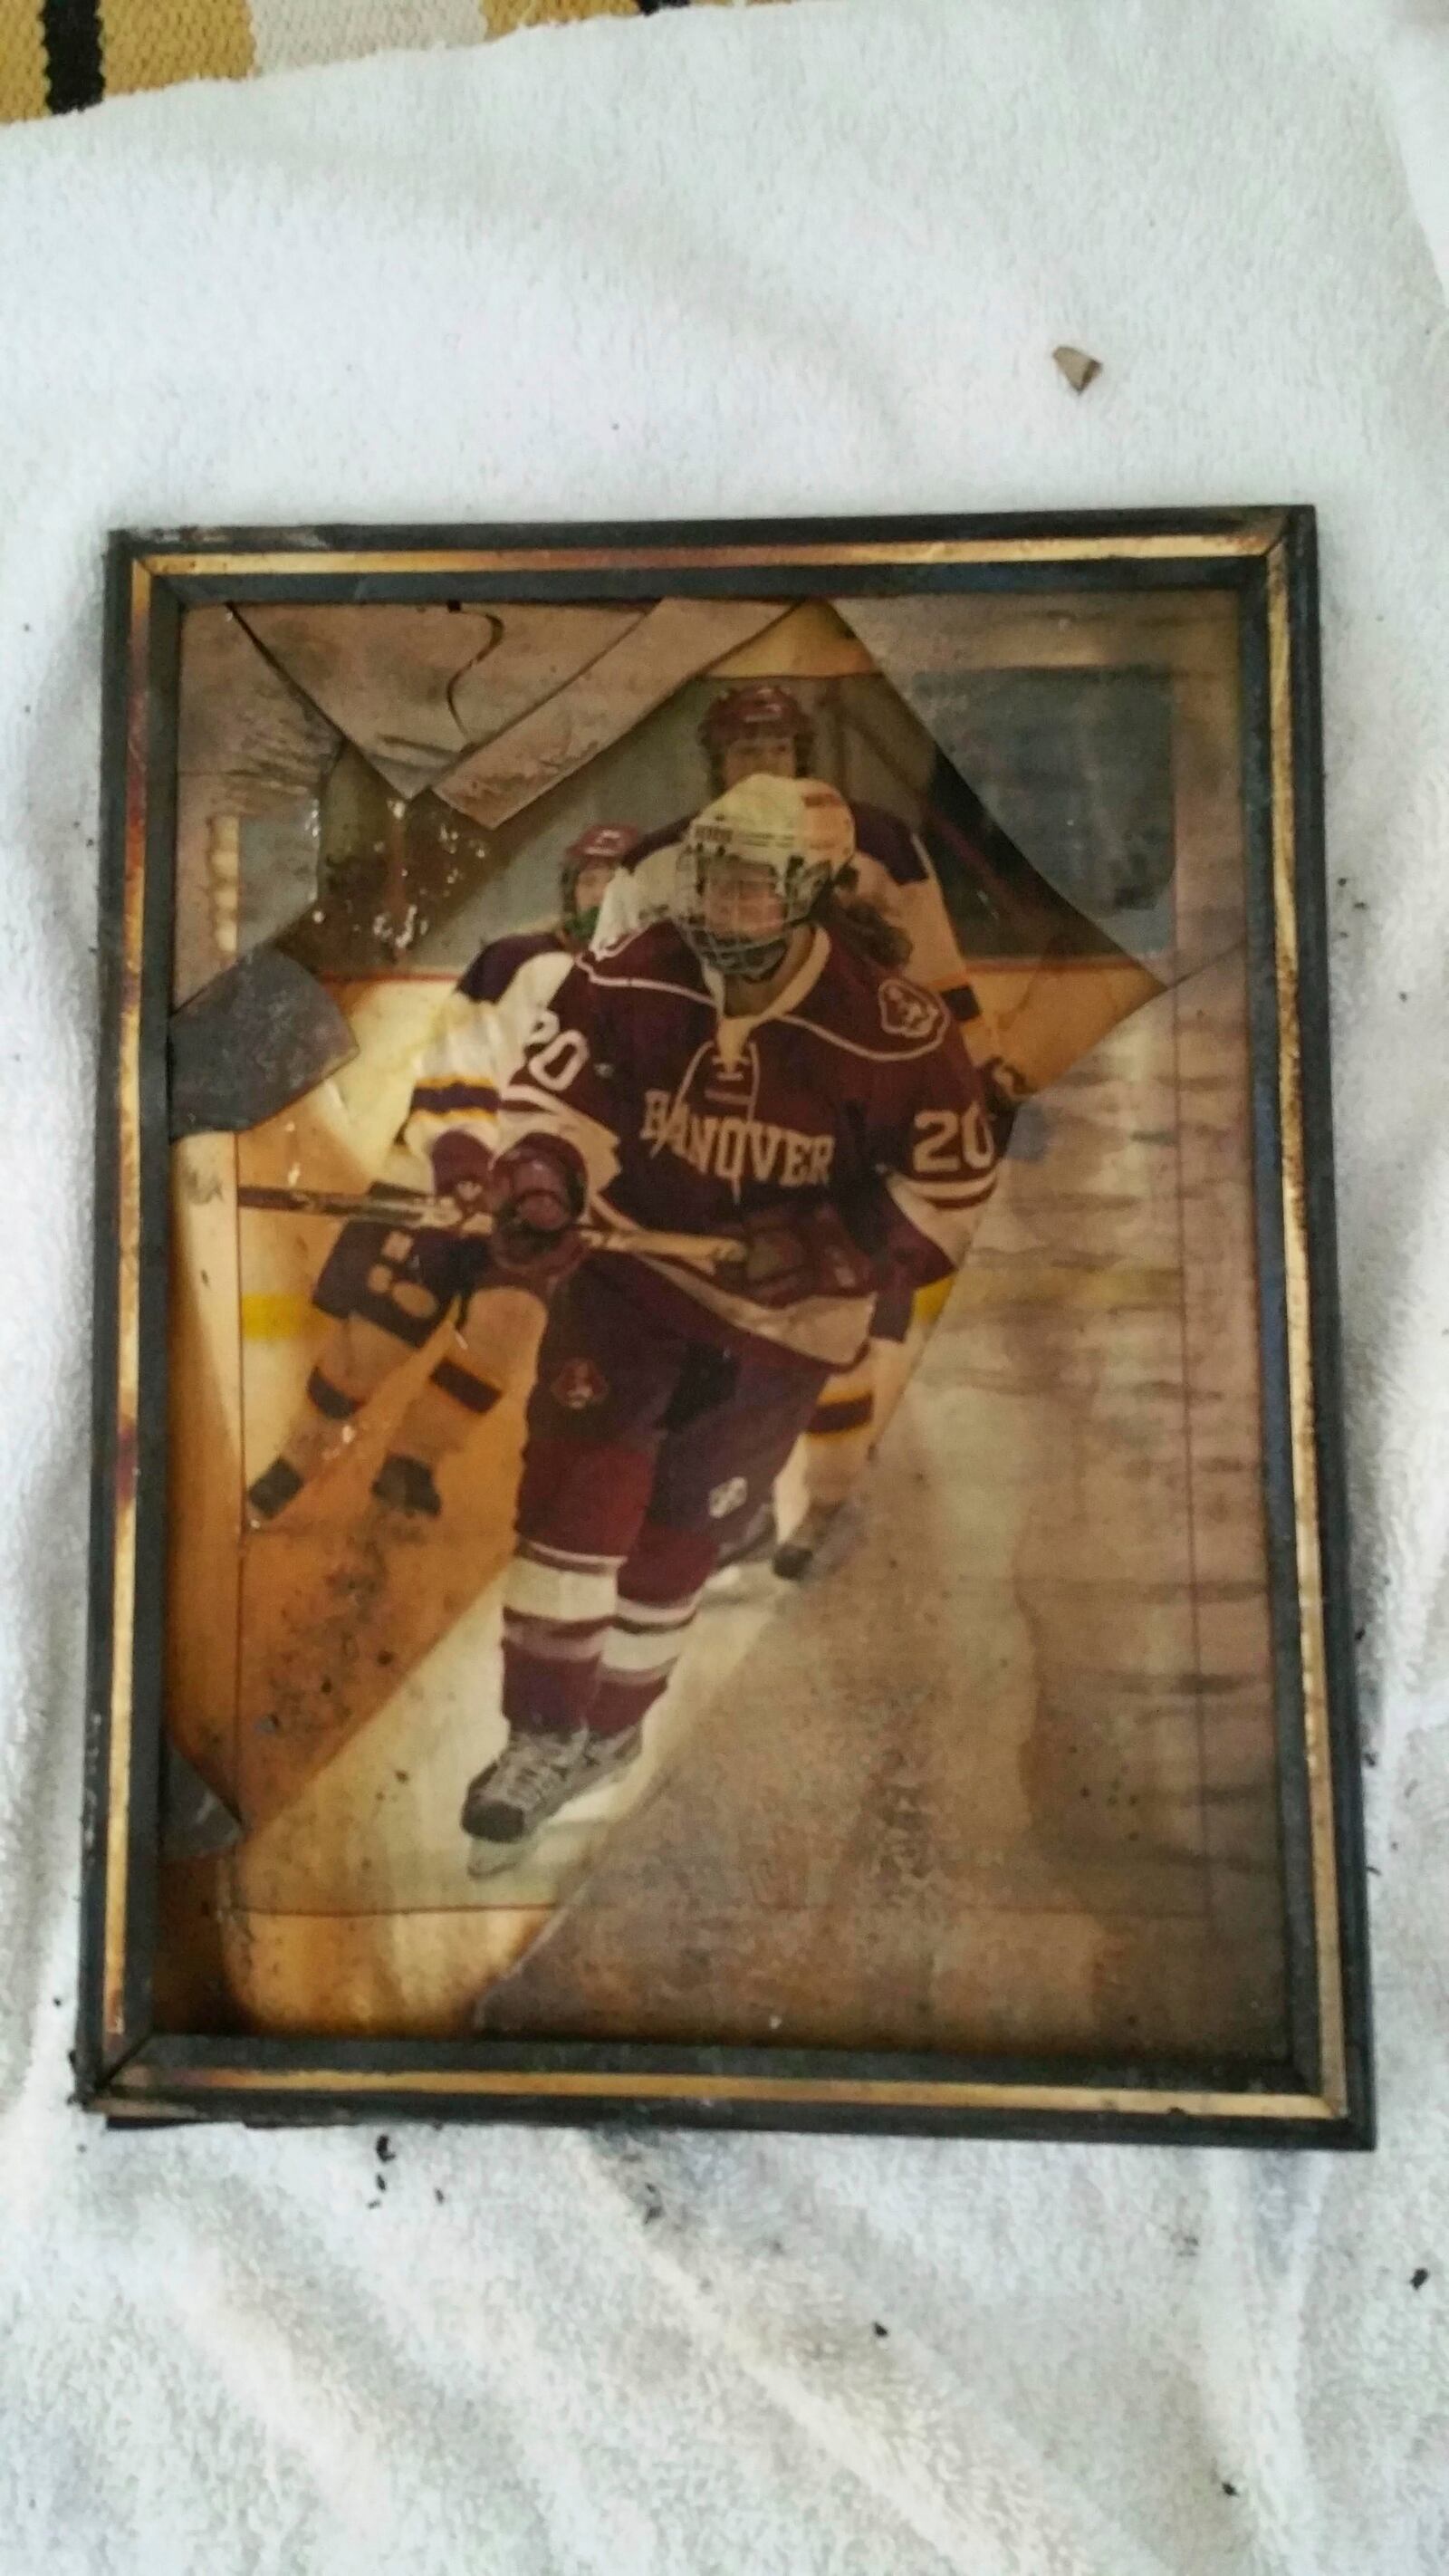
{"x": 420, "y": 1215}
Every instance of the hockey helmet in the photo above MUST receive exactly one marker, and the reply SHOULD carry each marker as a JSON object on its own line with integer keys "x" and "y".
{"x": 762, "y": 711}
{"x": 753, "y": 866}
{"x": 603, "y": 845}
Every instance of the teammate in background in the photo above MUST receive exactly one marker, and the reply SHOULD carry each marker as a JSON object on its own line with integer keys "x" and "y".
{"x": 741, "y": 1071}
{"x": 763, "y": 730}
{"x": 388, "y": 1290}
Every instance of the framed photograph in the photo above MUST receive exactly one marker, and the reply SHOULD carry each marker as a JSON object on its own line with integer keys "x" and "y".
{"x": 719, "y": 1490}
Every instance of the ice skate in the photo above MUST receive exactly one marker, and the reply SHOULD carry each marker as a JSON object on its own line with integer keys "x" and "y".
{"x": 818, "y": 1543}
{"x": 276, "y": 1487}
{"x": 534, "y": 1776}
{"x": 605, "y": 1756}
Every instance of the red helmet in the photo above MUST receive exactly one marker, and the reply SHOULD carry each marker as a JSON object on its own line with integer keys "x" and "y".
{"x": 761, "y": 708}
{"x": 603, "y": 845}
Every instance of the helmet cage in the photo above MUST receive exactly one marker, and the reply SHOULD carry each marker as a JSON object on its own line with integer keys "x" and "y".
{"x": 578, "y": 927}
{"x": 800, "y": 882}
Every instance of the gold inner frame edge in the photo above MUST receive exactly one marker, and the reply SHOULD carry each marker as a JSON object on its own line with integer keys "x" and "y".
{"x": 1259, "y": 534}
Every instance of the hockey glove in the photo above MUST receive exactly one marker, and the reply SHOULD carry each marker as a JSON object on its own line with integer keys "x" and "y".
{"x": 537, "y": 1192}
{"x": 461, "y": 1165}
{"x": 788, "y": 1257}
{"x": 1005, "y": 1091}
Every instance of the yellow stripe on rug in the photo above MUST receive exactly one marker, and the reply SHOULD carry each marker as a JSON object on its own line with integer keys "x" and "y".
{"x": 23, "y": 89}
{"x": 505, "y": 17}
{"x": 149, "y": 44}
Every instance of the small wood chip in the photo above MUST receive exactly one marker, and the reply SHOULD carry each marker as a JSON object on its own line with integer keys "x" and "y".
{"x": 1077, "y": 367}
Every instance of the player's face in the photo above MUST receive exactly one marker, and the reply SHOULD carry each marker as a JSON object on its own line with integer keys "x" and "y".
{"x": 742, "y": 900}
{"x": 590, "y": 887}
{"x": 769, "y": 755}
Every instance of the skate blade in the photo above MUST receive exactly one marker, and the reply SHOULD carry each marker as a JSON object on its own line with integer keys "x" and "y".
{"x": 793, "y": 1562}
{"x": 490, "y": 1860}
{"x": 822, "y": 1541}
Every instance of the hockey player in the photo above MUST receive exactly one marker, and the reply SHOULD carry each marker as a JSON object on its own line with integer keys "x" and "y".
{"x": 387, "y": 1290}
{"x": 763, "y": 730}
{"x": 743, "y": 1073}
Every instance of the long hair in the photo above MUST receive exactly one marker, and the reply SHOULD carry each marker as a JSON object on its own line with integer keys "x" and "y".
{"x": 862, "y": 926}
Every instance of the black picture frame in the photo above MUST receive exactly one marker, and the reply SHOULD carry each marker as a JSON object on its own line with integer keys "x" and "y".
{"x": 129, "y": 2070}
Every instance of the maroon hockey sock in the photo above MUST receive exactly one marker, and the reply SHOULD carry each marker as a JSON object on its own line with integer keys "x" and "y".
{"x": 579, "y": 1510}
{"x": 658, "y": 1590}
{"x": 550, "y": 1670}
{"x": 621, "y": 1702}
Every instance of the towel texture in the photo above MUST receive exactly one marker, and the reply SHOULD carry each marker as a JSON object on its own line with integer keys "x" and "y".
{"x": 803, "y": 259}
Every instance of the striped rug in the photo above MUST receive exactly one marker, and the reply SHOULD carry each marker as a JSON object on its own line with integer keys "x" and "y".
{"x": 62, "y": 54}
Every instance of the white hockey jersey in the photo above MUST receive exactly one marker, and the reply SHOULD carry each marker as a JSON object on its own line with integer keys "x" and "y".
{"x": 476, "y": 1045}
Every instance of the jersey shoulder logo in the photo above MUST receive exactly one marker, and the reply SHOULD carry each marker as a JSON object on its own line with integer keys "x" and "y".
{"x": 907, "y": 1012}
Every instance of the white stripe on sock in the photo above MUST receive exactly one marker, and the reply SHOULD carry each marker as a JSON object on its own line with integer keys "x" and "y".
{"x": 553, "y": 1592}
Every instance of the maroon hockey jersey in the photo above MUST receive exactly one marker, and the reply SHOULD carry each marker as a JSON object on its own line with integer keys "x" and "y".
{"x": 851, "y": 1088}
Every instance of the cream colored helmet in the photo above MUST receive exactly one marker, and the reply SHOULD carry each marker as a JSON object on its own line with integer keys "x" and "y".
{"x": 798, "y": 829}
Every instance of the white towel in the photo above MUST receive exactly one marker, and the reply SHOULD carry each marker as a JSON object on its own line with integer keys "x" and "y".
{"x": 812, "y": 259}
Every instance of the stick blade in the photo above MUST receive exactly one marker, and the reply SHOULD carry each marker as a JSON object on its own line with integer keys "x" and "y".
{"x": 250, "y": 1043}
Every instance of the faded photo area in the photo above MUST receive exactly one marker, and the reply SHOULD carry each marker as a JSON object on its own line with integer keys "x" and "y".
{"x": 716, "y": 1483}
